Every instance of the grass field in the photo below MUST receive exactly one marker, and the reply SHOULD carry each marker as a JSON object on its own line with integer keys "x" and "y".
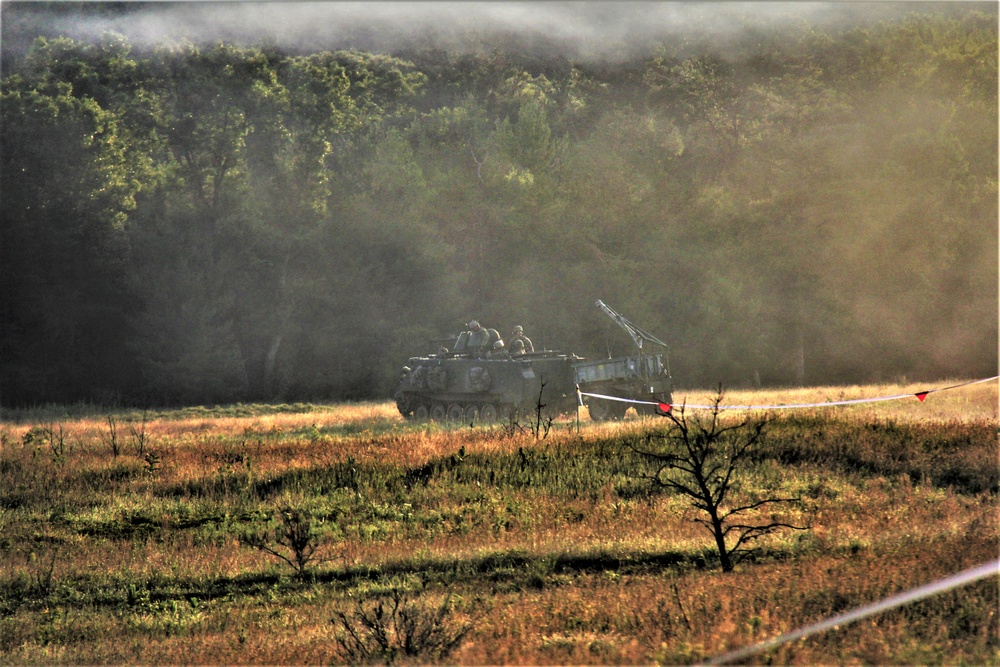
{"x": 148, "y": 546}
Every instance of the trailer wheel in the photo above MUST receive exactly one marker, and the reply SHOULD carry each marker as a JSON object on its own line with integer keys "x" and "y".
{"x": 599, "y": 409}
{"x": 604, "y": 410}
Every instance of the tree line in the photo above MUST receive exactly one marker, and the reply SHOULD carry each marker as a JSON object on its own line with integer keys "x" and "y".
{"x": 217, "y": 223}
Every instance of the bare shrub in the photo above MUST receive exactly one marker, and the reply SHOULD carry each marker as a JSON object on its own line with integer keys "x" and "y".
{"x": 655, "y": 625}
{"x": 42, "y": 573}
{"x": 140, "y": 436}
{"x": 295, "y": 538}
{"x": 541, "y": 425}
{"x": 51, "y": 435}
{"x": 388, "y": 629}
{"x": 538, "y": 425}
{"x": 704, "y": 460}
{"x": 111, "y": 437}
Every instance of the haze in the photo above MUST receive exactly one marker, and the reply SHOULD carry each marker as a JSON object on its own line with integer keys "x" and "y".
{"x": 577, "y": 30}
{"x": 294, "y": 198}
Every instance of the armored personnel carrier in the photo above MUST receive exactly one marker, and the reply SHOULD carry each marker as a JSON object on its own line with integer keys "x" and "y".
{"x": 463, "y": 385}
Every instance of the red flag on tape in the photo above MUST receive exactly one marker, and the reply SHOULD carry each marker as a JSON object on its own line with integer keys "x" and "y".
{"x": 922, "y": 395}
{"x": 664, "y": 408}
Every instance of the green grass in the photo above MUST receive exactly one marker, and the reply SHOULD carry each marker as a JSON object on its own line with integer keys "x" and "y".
{"x": 112, "y": 559}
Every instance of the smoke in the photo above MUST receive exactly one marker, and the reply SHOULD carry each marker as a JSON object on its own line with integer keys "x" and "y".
{"x": 576, "y": 30}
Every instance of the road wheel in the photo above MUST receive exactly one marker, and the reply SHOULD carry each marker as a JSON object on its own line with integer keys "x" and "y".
{"x": 456, "y": 412}
{"x": 488, "y": 413}
{"x": 471, "y": 414}
{"x": 421, "y": 412}
{"x": 438, "y": 412}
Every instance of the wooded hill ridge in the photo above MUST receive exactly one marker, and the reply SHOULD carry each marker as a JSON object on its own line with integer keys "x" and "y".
{"x": 220, "y": 223}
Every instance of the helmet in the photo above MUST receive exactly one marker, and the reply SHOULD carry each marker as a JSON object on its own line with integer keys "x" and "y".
{"x": 473, "y": 324}
{"x": 498, "y": 345}
{"x": 518, "y": 329}
{"x": 517, "y": 345}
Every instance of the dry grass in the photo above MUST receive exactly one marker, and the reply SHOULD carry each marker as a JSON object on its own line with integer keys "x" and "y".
{"x": 106, "y": 559}
{"x": 969, "y": 403}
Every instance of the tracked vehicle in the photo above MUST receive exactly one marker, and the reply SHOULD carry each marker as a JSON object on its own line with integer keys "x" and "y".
{"x": 462, "y": 385}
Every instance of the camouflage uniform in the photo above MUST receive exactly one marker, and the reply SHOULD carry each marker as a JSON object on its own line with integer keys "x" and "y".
{"x": 479, "y": 338}
{"x": 498, "y": 351}
{"x": 518, "y": 334}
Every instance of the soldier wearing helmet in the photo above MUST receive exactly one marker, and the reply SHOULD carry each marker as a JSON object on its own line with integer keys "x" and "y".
{"x": 518, "y": 335}
{"x": 479, "y": 339}
{"x": 498, "y": 351}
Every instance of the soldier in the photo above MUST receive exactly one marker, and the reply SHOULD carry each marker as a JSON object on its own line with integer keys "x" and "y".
{"x": 479, "y": 338}
{"x": 516, "y": 347}
{"x": 518, "y": 334}
{"x": 498, "y": 351}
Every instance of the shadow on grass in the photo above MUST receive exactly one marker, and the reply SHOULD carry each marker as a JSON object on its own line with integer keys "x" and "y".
{"x": 499, "y": 572}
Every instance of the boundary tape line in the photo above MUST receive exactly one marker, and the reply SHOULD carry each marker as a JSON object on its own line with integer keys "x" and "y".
{"x": 942, "y": 585}
{"x": 666, "y": 407}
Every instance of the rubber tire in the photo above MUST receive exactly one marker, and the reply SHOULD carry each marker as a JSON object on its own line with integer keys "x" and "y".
{"x": 600, "y": 410}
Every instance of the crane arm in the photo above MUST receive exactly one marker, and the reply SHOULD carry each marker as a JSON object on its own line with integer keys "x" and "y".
{"x": 638, "y": 335}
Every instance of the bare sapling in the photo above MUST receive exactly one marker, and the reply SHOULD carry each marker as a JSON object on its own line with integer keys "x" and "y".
{"x": 543, "y": 424}
{"x": 538, "y": 426}
{"x": 111, "y": 437}
{"x": 140, "y": 436}
{"x": 705, "y": 459}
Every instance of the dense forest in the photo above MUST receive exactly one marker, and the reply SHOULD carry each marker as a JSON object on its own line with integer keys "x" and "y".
{"x": 209, "y": 223}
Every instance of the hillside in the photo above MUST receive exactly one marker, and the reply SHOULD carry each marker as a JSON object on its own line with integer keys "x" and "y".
{"x": 201, "y": 221}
